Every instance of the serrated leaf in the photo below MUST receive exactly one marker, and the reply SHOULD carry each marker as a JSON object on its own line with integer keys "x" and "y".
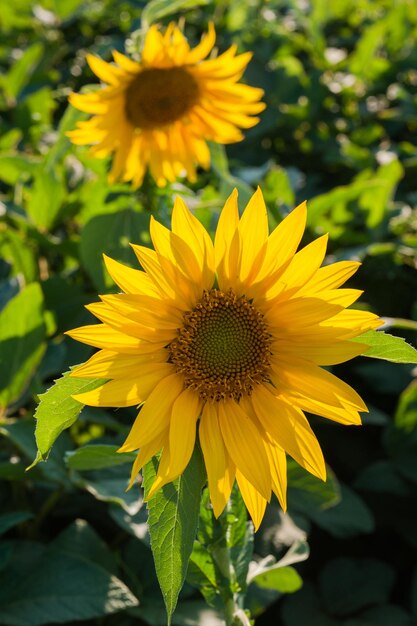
{"x": 57, "y": 410}
{"x": 22, "y": 334}
{"x": 387, "y": 347}
{"x": 98, "y": 456}
{"x": 173, "y": 520}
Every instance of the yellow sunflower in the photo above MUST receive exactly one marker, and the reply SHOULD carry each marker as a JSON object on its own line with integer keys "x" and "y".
{"x": 161, "y": 112}
{"x": 227, "y": 338}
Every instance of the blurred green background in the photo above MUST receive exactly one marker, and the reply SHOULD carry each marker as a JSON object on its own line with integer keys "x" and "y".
{"x": 340, "y": 128}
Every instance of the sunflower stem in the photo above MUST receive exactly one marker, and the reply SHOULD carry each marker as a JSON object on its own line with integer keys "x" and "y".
{"x": 221, "y": 556}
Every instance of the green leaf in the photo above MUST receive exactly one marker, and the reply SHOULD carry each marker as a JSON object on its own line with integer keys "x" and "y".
{"x": 22, "y": 346}
{"x": 307, "y": 493}
{"x": 14, "y": 166}
{"x": 406, "y": 413}
{"x": 46, "y": 198}
{"x": 157, "y": 9}
{"x": 97, "y": 456}
{"x": 20, "y": 433}
{"x": 349, "y": 585}
{"x": 42, "y": 586}
{"x": 220, "y": 166}
{"x": 57, "y": 410}
{"x": 387, "y": 347}
{"x": 382, "y": 477}
{"x": 15, "y": 250}
{"x": 109, "y": 485}
{"x": 21, "y": 70}
{"x": 80, "y": 539}
{"x": 8, "y": 520}
{"x": 282, "y": 579}
{"x": 350, "y": 517}
{"x": 221, "y": 556}
{"x": 173, "y": 520}
{"x": 385, "y": 615}
{"x": 110, "y": 233}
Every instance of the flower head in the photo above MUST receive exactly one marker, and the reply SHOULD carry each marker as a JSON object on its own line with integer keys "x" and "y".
{"x": 160, "y": 112}
{"x": 228, "y": 338}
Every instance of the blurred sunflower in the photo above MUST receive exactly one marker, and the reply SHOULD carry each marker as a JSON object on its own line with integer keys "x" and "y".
{"x": 161, "y": 112}
{"x": 227, "y": 338}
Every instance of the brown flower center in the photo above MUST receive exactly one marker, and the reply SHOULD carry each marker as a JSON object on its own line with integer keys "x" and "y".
{"x": 157, "y": 97}
{"x": 223, "y": 347}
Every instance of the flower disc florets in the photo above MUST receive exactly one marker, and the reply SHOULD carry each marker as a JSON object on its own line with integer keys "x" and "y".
{"x": 223, "y": 346}
{"x": 157, "y": 97}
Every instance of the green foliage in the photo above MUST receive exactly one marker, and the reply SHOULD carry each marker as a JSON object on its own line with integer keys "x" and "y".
{"x": 57, "y": 410}
{"x": 340, "y": 87}
{"x": 22, "y": 342}
{"x": 387, "y": 347}
{"x": 173, "y": 519}
{"x": 65, "y": 583}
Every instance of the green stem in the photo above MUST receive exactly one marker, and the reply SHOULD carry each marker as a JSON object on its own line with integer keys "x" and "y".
{"x": 221, "y": 556}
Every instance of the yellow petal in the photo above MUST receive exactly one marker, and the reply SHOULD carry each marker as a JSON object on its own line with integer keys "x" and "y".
{"x": 343, "y": 415}
{"x": 176, "y": 252}
{"x": 118, "y": 322}
{"x": 311, "y": 381}
{"x": 302, "y": 267}
{"x": 295, "y": 314}
{"x": 332, "y": 276}
{"x": 145, "y": 310}
{"x": 321, "y": 353}
{"x": 204, "y": 47}
{"x": 129, "y": 391}
{"x": 146, "y": 453}
{"x": 189, "y": 228}
{"x": 253, "y": 230}
{"x": 289, "y": 429}
{"x": 152, "y": 45}
{"x": 102, "y": 336}
{"x": 151, "y": 263}
{"x": 106, "y": 72}
{"x": 253, "y": 500}
{"x": 108, "y": 364}
{"x": 220, "y": 470}
{"x": 130, "y": 280}
{"x": 278, "y": 467}
{"x": 284, "y": 240}
{"x": 227, "y": 244}
{"x": 154, "y": 416}
{"x": 125, "y": 63}
{"x": 245, "y": 446}
{"x": 185, "y": 412}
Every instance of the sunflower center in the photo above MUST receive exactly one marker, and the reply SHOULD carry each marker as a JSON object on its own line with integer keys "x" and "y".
{"x": 223, "y": 347}
{"x": 157, "y": 97}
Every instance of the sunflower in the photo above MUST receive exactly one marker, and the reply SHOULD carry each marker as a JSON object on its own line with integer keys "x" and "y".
{"x": 227, "y": 339}
{"x": 161, "y": 112}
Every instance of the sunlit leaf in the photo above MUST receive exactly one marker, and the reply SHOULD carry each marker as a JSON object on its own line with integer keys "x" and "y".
{"x": 22, "y": 345}
{"x": 57, "y": 410}
{"x": 387, "y": 347}
{"x": 173, "y": 519}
